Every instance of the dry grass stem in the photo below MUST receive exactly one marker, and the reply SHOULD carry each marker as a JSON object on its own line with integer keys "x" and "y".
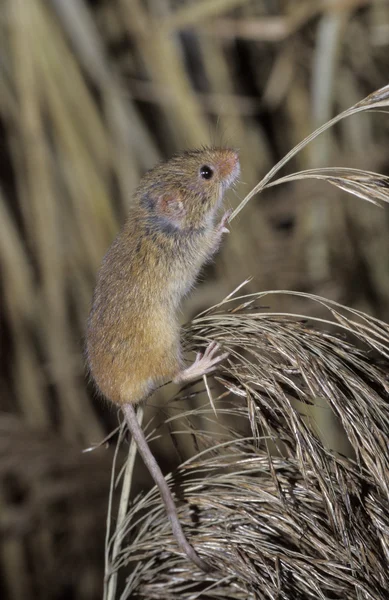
{"x": 375, "y": 101}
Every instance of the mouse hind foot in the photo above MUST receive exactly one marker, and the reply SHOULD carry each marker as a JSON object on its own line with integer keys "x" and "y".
{"x": 203, "y": 365}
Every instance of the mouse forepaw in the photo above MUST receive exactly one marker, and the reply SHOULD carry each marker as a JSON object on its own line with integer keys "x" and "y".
{"x": 222, "y": 228}
{"x": 203, "y": 365}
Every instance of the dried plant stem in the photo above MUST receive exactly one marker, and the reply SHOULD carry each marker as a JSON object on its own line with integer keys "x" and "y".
{"x": 110, "y": 591}
{"x": 375, "y": 101}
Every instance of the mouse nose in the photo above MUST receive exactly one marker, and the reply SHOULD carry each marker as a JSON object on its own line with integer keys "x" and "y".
{"x": 229, "y": 164}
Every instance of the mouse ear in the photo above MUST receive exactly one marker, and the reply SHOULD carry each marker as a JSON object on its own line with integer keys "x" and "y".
{"x": 171, "y": 206}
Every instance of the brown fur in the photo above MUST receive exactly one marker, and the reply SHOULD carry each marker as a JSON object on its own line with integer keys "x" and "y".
{"x": 133, "y": 336}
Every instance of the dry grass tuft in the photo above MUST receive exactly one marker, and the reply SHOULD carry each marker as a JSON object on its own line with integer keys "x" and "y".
{"x": 273, "y": 510}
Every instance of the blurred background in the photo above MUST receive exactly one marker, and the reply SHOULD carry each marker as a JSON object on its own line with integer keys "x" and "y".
{"x": 94, "y": 93}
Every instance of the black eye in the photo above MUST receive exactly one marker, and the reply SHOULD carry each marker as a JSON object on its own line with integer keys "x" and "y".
{"x": 206, "y": 172}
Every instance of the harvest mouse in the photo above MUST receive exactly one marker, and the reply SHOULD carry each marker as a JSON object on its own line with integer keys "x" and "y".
{"x": 133, "y": 333}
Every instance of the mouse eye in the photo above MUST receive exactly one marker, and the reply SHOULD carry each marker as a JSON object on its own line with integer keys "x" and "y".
{"x": 206, "y": 172}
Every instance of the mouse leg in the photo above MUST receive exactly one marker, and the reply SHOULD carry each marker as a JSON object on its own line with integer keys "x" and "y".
{"x": 204, "y": 364}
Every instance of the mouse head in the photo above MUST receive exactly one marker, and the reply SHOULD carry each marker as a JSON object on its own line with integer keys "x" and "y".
{"x": 185, "y": 192}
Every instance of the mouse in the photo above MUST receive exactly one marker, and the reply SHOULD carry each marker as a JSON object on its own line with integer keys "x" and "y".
{"x": 133, "y": 332}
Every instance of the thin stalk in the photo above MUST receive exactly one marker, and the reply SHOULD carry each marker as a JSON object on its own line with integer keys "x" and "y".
{"x": 111, "y": 577}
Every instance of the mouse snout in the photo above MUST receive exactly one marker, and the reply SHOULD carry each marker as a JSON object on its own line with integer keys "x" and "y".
{"x": 229, "y": 165}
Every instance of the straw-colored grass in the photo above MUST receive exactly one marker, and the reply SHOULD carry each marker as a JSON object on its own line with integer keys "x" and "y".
{"x": 272, "y": 509}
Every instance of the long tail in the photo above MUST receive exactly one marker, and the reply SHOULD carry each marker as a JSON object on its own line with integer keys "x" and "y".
{"x": 157, "y": 475}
